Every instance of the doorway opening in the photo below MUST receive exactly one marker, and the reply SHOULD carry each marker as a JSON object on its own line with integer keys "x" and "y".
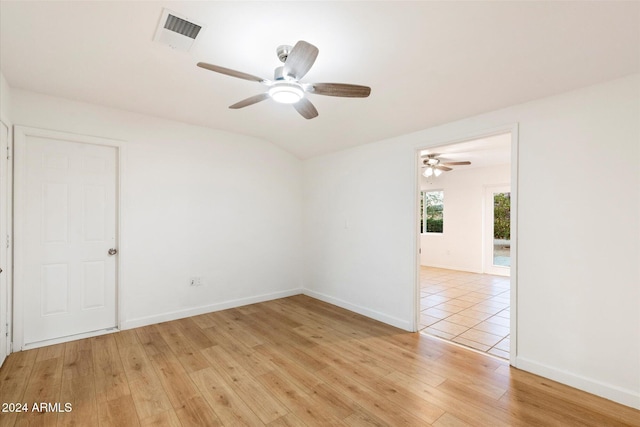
{"x": 497, "y": 232}
{"x": 467, "y": 242}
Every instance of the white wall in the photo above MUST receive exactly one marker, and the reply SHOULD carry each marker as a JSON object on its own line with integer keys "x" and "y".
{"x": 5, "y": 98}
{"x": 460, "y": 246}
{"x": 196, "y": 202}
{"x": 578, "y": 274}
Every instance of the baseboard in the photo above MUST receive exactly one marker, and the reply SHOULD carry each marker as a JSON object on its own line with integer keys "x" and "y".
{"x": 625, "y": 397}
{"x": 453, "y": 267}
{"x": 376, "y": 315}
{"x": 195, "y": 311}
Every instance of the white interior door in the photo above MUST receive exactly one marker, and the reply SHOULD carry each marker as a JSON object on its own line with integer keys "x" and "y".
{"x": 4, "y": 231}
{"x": 497, "y": 248}
{"x": 68, "y": 215}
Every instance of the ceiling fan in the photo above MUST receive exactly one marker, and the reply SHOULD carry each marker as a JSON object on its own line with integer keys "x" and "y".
{"x": 286, "y": 87}
{"x": 433, "y": 164}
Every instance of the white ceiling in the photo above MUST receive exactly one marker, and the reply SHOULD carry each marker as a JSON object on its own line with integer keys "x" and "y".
{"x": 427, "y": 62}
{"x": 483, "y": 152}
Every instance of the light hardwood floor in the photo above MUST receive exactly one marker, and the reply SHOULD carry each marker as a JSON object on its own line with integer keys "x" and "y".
{"x": 290, "y": 362}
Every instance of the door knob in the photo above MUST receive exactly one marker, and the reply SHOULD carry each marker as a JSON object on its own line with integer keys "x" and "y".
{"x": 113, "y": 251}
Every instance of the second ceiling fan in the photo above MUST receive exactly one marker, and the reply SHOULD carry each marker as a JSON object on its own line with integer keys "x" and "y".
{"x": 433, "y": 164}
{"x": 286, "y": 86}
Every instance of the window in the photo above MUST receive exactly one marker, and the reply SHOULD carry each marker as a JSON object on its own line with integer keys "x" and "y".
{"x": 431, "y": 211}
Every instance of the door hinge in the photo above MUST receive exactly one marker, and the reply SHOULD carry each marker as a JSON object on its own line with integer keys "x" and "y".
{"x": 8, "y": 153}
{"x": 6, "y": 326}
{"x": 7, "y": 241}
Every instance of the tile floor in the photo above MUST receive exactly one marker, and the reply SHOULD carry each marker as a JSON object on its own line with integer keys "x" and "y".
{"x": 467, "y": 308}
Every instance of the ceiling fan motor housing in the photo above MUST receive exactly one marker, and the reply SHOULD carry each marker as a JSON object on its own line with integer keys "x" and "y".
{"x": 431, "y": 161}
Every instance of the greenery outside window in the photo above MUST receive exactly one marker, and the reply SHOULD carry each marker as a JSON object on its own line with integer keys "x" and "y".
{"x": 502, "y": 216}
{"x": 431, "y": 211}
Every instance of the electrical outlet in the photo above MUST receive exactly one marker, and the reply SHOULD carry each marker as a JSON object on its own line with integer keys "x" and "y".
{"x": 195, "y": 281}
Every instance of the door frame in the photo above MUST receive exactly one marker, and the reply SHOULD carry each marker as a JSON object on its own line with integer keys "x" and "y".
{"x": 21, "y": 133}
{"x": 513, "y": 281}
{"x": 487, "y": 237}
{"x": 6, "y": 158}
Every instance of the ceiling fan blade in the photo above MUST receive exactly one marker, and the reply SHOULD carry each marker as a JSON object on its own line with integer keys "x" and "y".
{"x": 300, "y": 59}
{"x": 455, "y": 163}
{"x": 341, "y": 89}
{"x": 230, "y": 72}
{"x": 250, "y": 101}
{"x": 442, "y": 168}
{"x": 306, "y": 108}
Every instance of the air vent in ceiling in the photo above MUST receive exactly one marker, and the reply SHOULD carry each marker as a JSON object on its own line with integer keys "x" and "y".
{"x": 176, "y": 31}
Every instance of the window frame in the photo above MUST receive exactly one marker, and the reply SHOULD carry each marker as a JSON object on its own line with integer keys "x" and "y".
{"x": 423, "y": 212}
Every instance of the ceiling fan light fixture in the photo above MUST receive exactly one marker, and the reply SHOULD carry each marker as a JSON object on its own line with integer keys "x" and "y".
{"x": 286, "y": 93}
{"x": 431, "y": 171}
